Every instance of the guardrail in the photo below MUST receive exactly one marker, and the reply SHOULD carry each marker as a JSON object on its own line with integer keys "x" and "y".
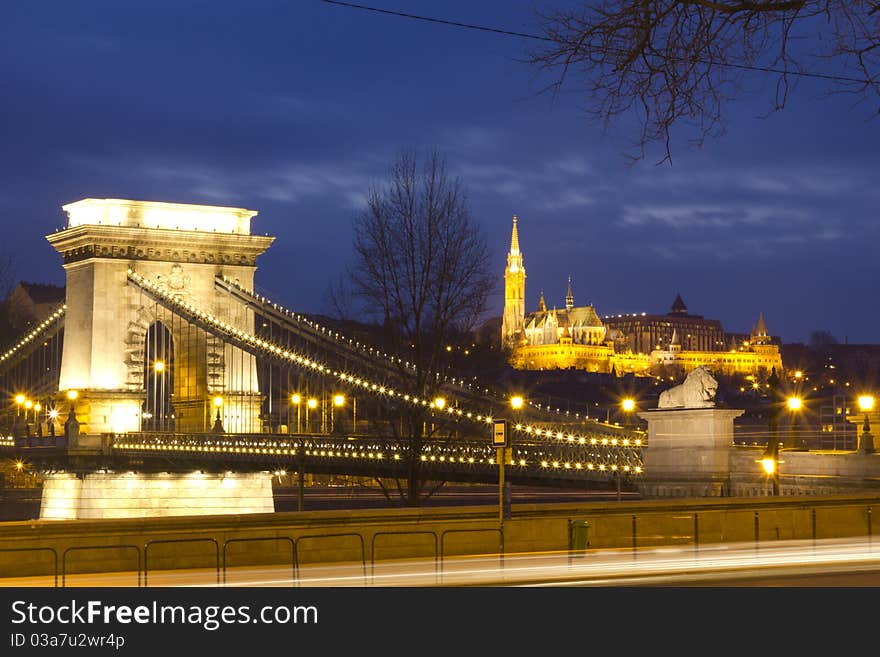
{"x": 38, "y": 549}
{"x": 98, "y": 547}
{"x": 183, "y": 540}
{"x": 293, "y": 559}
{"x": 299, "y": 539}
{"x": 439, "y": 553}
{"x": 464, "y": 531}
{"x": 402, "y": 533}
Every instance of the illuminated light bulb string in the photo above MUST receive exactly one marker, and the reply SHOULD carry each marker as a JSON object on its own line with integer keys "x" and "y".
{"x": 35, "y": 333}
{"x": 373, "y": 352}
{"x": 323, "y": 332}
{"x": 252, "y": 342}
{"x": 475, "y": 453}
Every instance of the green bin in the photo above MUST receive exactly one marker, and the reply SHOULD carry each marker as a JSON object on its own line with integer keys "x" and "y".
{"x": 579, "y": 535}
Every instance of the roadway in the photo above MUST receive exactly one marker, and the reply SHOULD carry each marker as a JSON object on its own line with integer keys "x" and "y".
{"x": 823, "y": 563}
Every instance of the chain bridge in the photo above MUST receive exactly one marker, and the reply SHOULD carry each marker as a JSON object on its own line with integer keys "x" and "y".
{"x": 163, "y": 359}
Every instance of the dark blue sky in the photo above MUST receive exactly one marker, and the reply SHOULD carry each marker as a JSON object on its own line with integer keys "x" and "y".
{"x": 294, "y": 108}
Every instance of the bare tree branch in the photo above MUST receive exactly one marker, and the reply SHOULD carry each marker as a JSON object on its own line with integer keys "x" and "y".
{"x": 676, "y": 63}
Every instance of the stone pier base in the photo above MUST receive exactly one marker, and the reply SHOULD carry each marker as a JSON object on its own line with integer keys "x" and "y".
{"x": 139, "y": 495}
{"x": 688, "y": 452}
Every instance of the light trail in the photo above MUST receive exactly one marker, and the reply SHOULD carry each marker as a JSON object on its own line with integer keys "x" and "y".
{"x": 625, "y": 567}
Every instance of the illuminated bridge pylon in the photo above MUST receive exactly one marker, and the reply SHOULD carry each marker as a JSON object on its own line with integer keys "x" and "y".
{"x": 116, "y": 341}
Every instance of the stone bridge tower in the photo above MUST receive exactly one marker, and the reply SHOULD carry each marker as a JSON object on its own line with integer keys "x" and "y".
{"x": 182, "y": 248}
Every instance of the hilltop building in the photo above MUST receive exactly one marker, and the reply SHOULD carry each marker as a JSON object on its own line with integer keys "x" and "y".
{"x": 645, "y": 345}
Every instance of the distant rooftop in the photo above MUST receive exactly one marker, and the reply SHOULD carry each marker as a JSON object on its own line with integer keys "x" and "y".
{"x": 44, "y": 292}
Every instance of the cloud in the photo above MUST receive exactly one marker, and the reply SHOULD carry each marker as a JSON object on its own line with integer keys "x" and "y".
{"x": 684, "y": 216}
{"x": 346, "y": 183}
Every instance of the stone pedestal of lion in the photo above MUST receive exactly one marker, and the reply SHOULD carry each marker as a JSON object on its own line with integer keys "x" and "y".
{"x": 689, "y": 441}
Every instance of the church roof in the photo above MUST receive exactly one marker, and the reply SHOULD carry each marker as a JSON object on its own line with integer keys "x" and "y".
{"x": 576, "y": 317}
{"x": 678, "y": 306}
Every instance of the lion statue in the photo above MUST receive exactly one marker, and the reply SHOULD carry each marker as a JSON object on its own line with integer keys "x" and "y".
{"x": 697, "y": 391}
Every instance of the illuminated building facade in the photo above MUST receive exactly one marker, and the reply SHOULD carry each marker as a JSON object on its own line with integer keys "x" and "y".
{"x": 576, "y": 337}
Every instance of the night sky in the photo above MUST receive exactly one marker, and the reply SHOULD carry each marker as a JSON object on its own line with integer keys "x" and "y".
{"x": 295, "y": 108}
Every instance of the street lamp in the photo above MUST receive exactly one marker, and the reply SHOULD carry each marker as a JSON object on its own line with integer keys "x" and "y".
{"x": 338, "y": 402}
{"x": 516, "y": 402}
{"x": 770, "y": 463}
{"x": 311, "y": 404}
{"x": 37, "y": 408}
{"x": 628, "y": 405}
{"x": 71, "y": 425}
{"x": 159, "y": 395}
{"x": 794, "y": 404}
{"x": 19, "y": 400}
{"x": 439, "y": 403}
{"x": 28, "y": 405}
{"x": 53, "y": 415}
{"x": 218, "y": 423}
{"x": 296, "y": 400}
{"x": 866, "y": 442}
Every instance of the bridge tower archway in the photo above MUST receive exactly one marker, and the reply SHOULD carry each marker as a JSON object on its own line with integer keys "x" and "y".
{"x": 159, "y": 380}
{"x": 181, "y": 248}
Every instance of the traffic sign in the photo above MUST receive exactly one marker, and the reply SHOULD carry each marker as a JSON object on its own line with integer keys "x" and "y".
{"x": 499, "y": 434}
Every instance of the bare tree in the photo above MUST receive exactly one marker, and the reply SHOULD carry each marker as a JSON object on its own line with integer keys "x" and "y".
{"x": 676, "y": 62}
{"x": 422, "y": 270}
{"x": 8, "y": 328}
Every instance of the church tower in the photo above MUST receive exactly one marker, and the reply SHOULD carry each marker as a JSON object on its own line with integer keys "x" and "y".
{"x": 759, "y": 332}
{"x": 514, "y": 291}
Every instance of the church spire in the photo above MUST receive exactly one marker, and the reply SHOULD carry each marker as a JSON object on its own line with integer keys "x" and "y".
{"x": 674, "y": 344}
{"x": 569, "y": 298}
{"x": 514, "y": 290}
{"x": 514, "y": 239}
{"x": 542, "y": 305}
{"x": 759, "y": 333}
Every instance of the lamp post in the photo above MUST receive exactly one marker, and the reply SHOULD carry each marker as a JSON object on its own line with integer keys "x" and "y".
{"x": 28, "y": 405}
{"x": 311, "y": 405}
{"x": 628, "y": 405}
{"x": 53, "y": 415}
{"x": 19, "y": 425}
{"x": 866, "y": 440}
{"x": 794, "y": 404}
{"x": 218, "y": 423}
{"x": 500, "y": 438}
{"x": 159, "y": 395}
{"x": 770, "y": 463}
{"x": 71, "y": 425}
{"x": 296, "y": 400}
{"x": 338, "y": 402}
{"x": 37, "y": 419}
